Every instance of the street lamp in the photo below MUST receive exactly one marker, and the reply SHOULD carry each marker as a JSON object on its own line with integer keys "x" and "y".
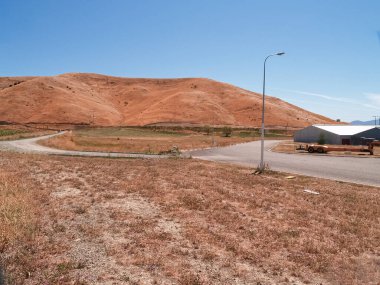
{"x": 262, "y": 166}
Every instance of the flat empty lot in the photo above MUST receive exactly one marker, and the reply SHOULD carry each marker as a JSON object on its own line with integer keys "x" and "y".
{"x": 70, "y": 220}
{"x": 143, "y": 140}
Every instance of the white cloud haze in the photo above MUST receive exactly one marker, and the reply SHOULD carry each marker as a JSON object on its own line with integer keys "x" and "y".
{"x": 373, "y": 99}
{"x": 370, "y": 100}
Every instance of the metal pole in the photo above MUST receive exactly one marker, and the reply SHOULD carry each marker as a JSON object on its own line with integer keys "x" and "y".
{"x": 262, "y": 164}
{"x": 263, "y": 120}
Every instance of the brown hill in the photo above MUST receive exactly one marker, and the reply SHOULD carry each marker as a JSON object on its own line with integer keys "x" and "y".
{"x": 105, "y": 100}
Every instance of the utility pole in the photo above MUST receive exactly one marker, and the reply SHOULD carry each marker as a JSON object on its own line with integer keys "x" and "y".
{"x": 375, "y": 119}
{"x": 212, "y": 130}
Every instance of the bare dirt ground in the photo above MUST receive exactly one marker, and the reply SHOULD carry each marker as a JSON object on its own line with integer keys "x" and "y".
{"x": 175, "y": 221}
{"x": 291, "y": 147}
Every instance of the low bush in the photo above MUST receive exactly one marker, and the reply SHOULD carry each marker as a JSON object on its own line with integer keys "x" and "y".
{"x": 226, "y": 132}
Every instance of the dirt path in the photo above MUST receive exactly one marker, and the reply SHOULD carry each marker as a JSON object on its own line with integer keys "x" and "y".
{"x": 31, "y": 146}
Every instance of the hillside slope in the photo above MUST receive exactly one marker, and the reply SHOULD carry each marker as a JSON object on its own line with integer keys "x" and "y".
{"x": 104, "y": 100}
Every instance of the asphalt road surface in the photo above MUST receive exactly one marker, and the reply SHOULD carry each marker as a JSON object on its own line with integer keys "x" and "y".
{"x": 361, "y": 170}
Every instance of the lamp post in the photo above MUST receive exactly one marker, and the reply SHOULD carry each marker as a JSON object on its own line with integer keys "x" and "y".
{"x": 262, "y": 165}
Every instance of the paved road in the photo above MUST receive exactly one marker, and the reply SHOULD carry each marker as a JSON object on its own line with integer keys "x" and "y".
{"x": 362, "y": 170}
{"x": 31, "y": 146}
{"x": 351, "y": 169}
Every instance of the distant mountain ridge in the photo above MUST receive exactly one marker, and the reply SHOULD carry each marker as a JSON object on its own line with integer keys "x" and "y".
{"x": 364, "y": 123}
{"x": 94, "y": 99}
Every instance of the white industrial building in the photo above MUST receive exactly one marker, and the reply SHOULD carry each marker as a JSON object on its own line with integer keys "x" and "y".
{"x": 338, "y": 134}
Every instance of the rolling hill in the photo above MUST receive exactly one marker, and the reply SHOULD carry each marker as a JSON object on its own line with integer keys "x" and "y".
{"x": 78, "y": 98}
{"x": 363, "y": 123}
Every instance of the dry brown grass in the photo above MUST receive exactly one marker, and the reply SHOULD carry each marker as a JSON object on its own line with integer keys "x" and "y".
{"x": 191, "y": 222}
{"x": 19, "y": 200}
{"x": 112, "y": 101}
{"x": 140, "y": 144}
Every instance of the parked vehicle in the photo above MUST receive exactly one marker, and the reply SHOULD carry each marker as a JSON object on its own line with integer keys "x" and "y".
{"x": 326, "y": 148}
{"x": 371, "y": 146}
{"x": 314, "y": 148}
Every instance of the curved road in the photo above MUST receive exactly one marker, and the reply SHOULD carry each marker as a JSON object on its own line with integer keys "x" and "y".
{"x": 350, "y": 169}
{"x": 362, "y": 170}
{"x": 31, "y": 146}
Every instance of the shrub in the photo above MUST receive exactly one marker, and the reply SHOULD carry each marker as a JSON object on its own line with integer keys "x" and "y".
{"x": 227, "y": 131}
{"x": 208, "y": 129}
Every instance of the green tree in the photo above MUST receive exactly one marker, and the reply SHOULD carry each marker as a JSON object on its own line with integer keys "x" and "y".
{"x": 321, "y": 139}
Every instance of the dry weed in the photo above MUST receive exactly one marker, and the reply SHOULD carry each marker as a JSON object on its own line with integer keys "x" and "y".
{"x": 18, "y": 222}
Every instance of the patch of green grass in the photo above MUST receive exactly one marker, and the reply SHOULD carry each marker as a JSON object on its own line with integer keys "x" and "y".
{"x": 246, "y": 134}
{"x": 275, "y": 134}
{"x": 6, "y": 132}
{"x": 128, "y": 132}
{"x": 95, "y": 143}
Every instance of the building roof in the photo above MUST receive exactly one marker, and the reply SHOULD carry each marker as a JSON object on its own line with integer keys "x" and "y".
{"x": 345, "y": 130}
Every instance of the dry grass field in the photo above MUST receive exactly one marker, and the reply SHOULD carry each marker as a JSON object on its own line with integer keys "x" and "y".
{"x": 67, "y": 220}
{"x": 142, "y": 140}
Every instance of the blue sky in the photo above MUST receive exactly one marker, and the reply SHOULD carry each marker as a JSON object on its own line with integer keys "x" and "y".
{"x": 332, "y": 65}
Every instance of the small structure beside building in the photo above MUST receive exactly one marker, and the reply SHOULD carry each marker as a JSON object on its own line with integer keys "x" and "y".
{"x": 338, "y": 134}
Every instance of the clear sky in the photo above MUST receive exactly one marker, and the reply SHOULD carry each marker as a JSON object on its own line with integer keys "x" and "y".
{"x": 332, "y": 65}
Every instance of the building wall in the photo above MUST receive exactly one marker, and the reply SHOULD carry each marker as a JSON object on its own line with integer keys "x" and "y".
{"x": 344, "y": 137}
{"x": 373, "y": 133}
{"x": 311, "y": 135}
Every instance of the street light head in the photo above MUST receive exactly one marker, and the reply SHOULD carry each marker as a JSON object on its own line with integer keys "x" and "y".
{"x": 280, "y": 53}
